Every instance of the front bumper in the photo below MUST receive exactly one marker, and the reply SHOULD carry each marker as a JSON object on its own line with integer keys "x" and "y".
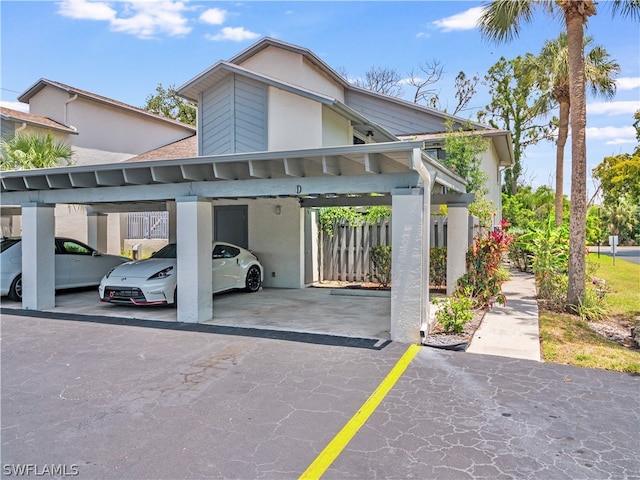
{"x": 160, "y": 294}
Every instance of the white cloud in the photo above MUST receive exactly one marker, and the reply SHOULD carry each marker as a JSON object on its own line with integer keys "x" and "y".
{"x": 612, "y": 135}
{"x": 234, "y": 34}
{"x": 213, "y": 16}
{"x": 613, "y": 108}
{"x": 142, "y": 18}
{"x": 466, "y": 20}
{"x": 21, "y": 107}
{"x": 628, "y": 83}
{"x": 86, "y": 10}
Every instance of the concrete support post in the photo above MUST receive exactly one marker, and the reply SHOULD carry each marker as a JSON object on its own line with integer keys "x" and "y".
{"x": 38, "y": 256}
{"x": 171, "y": 209}
{"x": 407, "y": 275}
{"x": 97, "y": 231}
{"x": 457, "y": 244}
{"x": 194, "y": 276}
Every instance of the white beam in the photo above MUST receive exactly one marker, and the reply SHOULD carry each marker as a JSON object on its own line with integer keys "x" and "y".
{"x": 407, "y": 275}
{"x": 372, "y": 163}
{"x": 457, "y": 243}
{"x": 259, "y": 169}
{"x": 331, "y": 165}
{"x": 97, "y": 231}
{"x": 194, "y": 276}
{"x": 294, "y": 167}
{"x": 38, "y": 257}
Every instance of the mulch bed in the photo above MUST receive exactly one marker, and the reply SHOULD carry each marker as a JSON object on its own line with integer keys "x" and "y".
{"x": 438, "y": 338}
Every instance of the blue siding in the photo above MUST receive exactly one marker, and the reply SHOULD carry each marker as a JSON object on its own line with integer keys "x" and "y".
{"x": 234, "y": 117}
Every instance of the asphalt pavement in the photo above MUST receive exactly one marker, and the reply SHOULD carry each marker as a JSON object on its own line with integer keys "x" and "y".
{"x": 112, "y": 398}
{"x": 630, "y": 254}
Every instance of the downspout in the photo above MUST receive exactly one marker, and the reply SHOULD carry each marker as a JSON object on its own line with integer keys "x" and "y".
{"x": 20, "y": 128}
{"x": 418, "y": 165}
{"x": 66, "y": 108}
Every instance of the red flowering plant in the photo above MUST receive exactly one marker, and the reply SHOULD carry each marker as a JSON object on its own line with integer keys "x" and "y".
{"x": 485, "y": 274}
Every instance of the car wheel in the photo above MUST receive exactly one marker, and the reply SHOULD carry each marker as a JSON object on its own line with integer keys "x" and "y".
{"x": 15, "y": 291}
{"x": 253, "y": 282}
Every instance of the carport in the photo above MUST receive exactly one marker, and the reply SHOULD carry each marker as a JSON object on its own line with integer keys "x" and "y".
{"x": 399, "y": 174}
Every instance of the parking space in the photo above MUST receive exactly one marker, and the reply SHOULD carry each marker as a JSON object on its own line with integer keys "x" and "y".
{"x": 119, "y": 401}
{"x": 314, "y": 310}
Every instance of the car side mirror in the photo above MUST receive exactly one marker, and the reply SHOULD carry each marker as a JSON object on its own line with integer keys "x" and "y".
{"x": 95, "y": 254}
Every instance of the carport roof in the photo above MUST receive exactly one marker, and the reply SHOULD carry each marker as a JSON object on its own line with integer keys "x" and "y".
{"x": 329, "y": 171}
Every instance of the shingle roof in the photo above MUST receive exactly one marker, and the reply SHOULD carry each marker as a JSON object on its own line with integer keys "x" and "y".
{"x": 185, "y": 148}
{"x": 35, "y": 120}
{"x": 43, "y": 82}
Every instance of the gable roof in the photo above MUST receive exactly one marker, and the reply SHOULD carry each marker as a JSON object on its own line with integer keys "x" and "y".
{"x": 17, "y": 116}
{"x": 43, "y": 83}
{"x": 305, "y": 52}
{"x": 192, "y": 89}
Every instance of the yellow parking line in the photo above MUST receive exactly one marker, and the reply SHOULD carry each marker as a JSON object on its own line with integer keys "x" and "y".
{"x": 344, "y": 436}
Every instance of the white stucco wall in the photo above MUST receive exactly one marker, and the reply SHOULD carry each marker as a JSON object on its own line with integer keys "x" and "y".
{"x": 294, "y": 122}
{"x": 105, "y": 127}
{"x": 336, "y": 130}
{"x": 293, "y": 68}
{"x": 277, "y": 239}
{"x": 494, "y": 181}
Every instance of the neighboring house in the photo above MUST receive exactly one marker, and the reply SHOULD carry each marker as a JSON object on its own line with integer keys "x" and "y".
{"x": 279, "y": 134}
{"x": 100, "y": 131}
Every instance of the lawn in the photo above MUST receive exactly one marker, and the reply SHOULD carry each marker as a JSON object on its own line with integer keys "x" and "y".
{"x": 569, "y": 340}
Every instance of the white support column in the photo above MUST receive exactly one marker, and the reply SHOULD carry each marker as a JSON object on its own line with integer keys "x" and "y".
{"x": 194, "y": 277}
{"x": 409, "y": 282}
{"x": 171, "y": 209}
{"x": 97, "y": 231}
{"x": 457, "y": 244}
{"x": 38, "y": 256}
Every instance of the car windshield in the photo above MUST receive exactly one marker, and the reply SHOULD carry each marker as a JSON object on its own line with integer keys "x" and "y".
{"x": 167, "y": 252}
{"x": 7, "y": 242}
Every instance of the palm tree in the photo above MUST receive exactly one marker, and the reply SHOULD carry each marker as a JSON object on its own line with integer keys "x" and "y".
{"x": 501, "y": 21}
{"x": 599, "y": 72}
{"x": 30, "y": 150}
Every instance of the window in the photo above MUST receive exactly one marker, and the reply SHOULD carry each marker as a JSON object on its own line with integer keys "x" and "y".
{"x": 225, "y": 251}
{"x": 74, "y": 248}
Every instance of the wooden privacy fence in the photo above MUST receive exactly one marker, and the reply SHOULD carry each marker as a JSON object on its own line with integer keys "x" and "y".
{"x": 345, "y": 256}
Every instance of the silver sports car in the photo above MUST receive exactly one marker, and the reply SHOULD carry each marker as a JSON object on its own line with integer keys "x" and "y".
{"x": 152, "y": 281}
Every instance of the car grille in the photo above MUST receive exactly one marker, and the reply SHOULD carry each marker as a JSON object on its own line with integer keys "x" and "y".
{"x": 113, "y": 294}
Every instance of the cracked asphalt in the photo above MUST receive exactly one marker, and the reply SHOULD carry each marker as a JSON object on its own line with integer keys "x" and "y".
{"x": 126, "y": 399}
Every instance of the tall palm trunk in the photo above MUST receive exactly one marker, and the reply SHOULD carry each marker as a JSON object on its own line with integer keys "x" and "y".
{"x": 575, "y": 13}
{"x": 563, "y": 132}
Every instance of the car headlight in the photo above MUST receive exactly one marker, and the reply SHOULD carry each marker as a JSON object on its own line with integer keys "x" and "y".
{"x": 161, "y": 274}
{"x": 110, "y": 271}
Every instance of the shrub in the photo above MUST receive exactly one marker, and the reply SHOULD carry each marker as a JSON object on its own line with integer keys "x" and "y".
{"x": 381, "y": 259}
{"x": 438, "y": 266}
{"x": 455, "y": 311}
{"x": 591, "y": 307}
{"x": 548, "y": 249}
{"x": 484, "y": 275}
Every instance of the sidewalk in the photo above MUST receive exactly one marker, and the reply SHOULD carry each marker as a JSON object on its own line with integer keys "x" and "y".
{"x": 511, "y": 330}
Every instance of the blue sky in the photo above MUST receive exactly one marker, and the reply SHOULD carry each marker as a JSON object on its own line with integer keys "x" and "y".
{"x": 123, "y": 49}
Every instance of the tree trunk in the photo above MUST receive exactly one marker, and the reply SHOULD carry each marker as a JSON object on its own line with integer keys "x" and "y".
{"x": 563, "y": 131}
{"x": 575, "y": 15}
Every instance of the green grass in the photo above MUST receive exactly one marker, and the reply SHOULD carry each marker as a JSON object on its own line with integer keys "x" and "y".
{"x": 567, "y": 339}
{"x": 623, "y": 284}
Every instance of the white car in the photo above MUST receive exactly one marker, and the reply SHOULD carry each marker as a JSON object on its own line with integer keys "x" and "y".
{"x": 152, "y": 281}
{"x": 76, "y": 265}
